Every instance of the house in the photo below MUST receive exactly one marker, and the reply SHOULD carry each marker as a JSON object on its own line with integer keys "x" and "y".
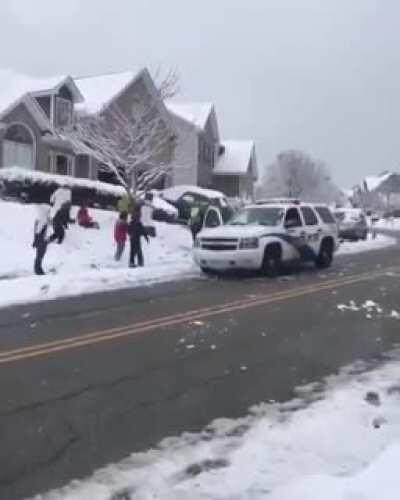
{"x": 381, "y": 192}
{"x": 236, "y": 172}
{"x": 31, "y": 110}
{"x": 203, "y": 159}
{"x": 34, "y": 113}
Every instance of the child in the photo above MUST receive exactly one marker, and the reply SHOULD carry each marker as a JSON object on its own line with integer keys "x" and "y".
{"x": 84, "y": 219}
{"x": 136, "y": 231}
{"x": 120, "y": 234}
{"x": 40, "y": 242}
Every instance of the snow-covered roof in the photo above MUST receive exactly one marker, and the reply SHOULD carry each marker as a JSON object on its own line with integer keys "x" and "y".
{"x": 175, "y": 192}
{"x": 99, "y": 90}
{"x": 14, "y": 86}
{"x": 237, "y": 158}
{"x": 193, "y": 112}
{"x": 373, "y": 182}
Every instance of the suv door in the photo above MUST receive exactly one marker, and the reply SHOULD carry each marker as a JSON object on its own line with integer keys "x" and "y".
{"x": 313, "y": 229}
{"x": 295, "y": 231}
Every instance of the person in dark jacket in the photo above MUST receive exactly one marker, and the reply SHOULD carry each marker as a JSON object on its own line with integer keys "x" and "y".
{"x": 42, "y": 222}
{"x": 136, "y": 231}
{"x": 60, "y": 223}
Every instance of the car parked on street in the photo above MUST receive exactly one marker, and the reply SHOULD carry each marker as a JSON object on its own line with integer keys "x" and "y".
{"x": 352, "y": 224}
{"x": 265, "y": 236}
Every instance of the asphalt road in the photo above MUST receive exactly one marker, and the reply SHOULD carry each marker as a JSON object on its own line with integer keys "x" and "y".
{"x": 86, "y": 381}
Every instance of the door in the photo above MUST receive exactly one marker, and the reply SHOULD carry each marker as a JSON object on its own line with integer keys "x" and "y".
{"x": 296, "y": 234}
{"x": 313, "y": 229}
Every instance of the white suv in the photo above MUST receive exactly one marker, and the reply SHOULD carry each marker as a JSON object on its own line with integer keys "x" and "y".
{"x": 268, "y": 234}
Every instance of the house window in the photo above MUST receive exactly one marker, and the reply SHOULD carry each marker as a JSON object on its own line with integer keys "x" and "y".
{"x": 63, "y": 115}
{"x": 82, "y": 166}
{"x": 19, "y": 147}
{"x": 62, "y": 165}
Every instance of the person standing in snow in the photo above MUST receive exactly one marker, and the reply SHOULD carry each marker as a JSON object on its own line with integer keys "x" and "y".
{"x": 136, "y": 231}
{"x": 60, "y": 213}
{"x": 42, "y": 222}
{"x": 120, "y": 234}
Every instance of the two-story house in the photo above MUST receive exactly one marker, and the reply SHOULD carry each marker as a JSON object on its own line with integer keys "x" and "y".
{"x": 203, "y": 159}
{"x": 34, "y": 112}
{"x": 31, "y": 112}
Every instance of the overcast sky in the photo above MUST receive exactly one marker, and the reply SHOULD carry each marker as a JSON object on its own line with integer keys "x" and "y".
{"x": 317, "y": 75}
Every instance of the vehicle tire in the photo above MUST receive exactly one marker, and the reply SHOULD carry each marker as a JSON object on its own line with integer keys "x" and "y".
{"x": 325, "y": 256}
{"x": 271, "y": 266}
{"x": 365, "y": 236}
{"x": 209, "y": 272}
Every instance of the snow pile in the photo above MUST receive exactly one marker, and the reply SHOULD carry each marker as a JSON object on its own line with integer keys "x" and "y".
{"x": 175, "y": 192}
{"x": 20, "y": 174}
{"x": 352, "y": 247}
{"x": 84, "y": 262}
{"x": 336, "y": 441}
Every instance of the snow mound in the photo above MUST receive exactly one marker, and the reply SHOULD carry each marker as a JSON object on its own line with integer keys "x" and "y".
{"x": 84, "y": 262}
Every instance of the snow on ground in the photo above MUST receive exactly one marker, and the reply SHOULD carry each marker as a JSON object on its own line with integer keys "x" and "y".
{"x": 353, "y": 247}
{"x": 391, "y": 223}
{"x": 84, "y": 262}
{"x": 339, "y": 440}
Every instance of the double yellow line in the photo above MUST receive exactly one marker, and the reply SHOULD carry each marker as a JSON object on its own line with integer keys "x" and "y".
{"x": 135, "y": 329}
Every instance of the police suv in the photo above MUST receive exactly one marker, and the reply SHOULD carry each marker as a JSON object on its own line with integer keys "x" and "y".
{"x": 268, "y": 234}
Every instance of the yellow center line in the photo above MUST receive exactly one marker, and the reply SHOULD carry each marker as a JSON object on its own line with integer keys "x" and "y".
{"x": 176, "y": 319}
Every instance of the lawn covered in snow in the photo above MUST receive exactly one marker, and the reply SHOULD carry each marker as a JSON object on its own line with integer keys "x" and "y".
{"x": 339, "y": 440}
{"x": 84, "y": 262}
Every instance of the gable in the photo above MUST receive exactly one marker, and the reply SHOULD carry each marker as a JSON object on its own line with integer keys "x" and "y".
{"x": 237, "y": 158}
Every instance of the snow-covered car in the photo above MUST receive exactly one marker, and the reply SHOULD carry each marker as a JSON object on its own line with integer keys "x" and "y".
{"x": 185, "y": 197}
{"x": 267, "y": 235}
{"x": 352, "y": 224}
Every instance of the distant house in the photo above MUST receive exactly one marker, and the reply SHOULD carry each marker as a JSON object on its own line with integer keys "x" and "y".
{"x": 34, "y": 112}
{"x": 236, "y": 171}
{"x": 379, "y": 192}
{"x": 203, "y": 159}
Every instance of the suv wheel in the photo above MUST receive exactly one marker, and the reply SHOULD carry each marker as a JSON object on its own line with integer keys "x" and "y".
{"x": 271, "y": 265}
{"x": 325, "y": 256}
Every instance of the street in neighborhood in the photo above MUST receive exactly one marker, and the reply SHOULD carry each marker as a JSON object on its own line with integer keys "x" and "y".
{"x": 86, "y": 381}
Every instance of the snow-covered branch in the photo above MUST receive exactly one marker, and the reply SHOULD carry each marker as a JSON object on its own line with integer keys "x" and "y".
{"x": 131, "y": 144}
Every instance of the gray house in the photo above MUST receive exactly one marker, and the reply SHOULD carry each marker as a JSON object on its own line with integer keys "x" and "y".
{"x": 202, "y": 159}
{"x": 33, "y": 113}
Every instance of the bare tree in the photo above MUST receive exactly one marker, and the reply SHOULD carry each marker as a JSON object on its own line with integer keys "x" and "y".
{"x": 130, "y": 144}
{"x": 294, "y": 174}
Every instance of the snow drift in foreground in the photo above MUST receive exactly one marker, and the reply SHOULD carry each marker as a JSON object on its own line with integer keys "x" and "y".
{"x": 336, "y": 441}
{"x": 84, "y": 262}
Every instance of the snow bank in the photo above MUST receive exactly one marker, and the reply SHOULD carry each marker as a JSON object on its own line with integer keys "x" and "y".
{"x": 174, "y": 193}
{"x": 353, "y": 247}
{"x": 337, "y": 441}
{"x": 84, "y": 262}
{"x": 22, "y": 175}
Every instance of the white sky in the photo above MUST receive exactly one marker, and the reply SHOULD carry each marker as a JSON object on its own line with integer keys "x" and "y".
{"x": 318, "y": 75}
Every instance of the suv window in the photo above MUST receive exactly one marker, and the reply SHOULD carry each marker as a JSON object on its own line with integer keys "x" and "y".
{"x": 325, "y": 215}
{"x": 309, "y": 216}
{"x": 292, "y": 218}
